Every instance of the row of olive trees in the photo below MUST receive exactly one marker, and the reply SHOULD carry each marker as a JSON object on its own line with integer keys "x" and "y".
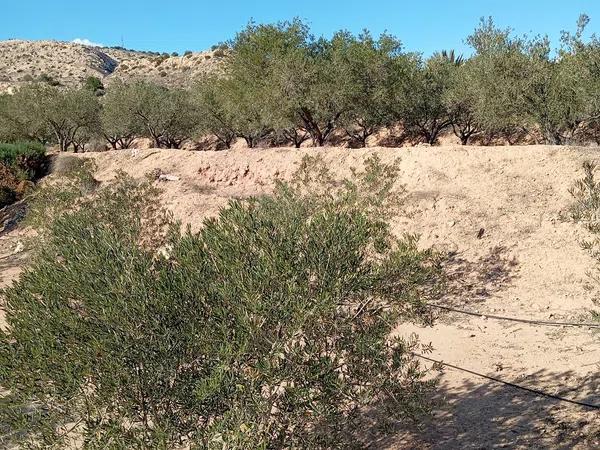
{"x": 70, "y": 118}
{"x": 282, "y": 86}
{"x": 281, "y": 81}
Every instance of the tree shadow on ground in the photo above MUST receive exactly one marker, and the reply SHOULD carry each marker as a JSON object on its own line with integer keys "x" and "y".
{"x": 14, "y": 260}
{"x": 11, "y": 215}
{"x": 474, "y": 281}
{"x": 481, "y": 414}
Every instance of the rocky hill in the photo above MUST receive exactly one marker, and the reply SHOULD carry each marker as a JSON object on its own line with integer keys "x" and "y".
{"x": 169, "y": 70}
{"x": 69, "y": 64}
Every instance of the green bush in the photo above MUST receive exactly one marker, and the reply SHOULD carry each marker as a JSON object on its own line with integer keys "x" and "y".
{"x": 270, "y": 328}
{"x": 20, "y": 164}
{"x": 9, "y": 185}
{"x": 586, "y": 206}
{"x": 27, "y": 160}
{"x": 93, "y": 84}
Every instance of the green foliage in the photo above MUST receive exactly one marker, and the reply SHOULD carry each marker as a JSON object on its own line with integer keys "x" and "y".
{"x": 45, "y": 78}
{"x": 291, "y": 71}
{"x": 363, "y": 66}
{"x": 49, "y": 114}
{"x": 278, "y": 83}
{"x": 520, "y": 85}
{"x": 215, "y": 115}
{"x": 497, "y": 72}
{"x": 423, "y": 110}
{"x": 270, "y": 328}
{"x": 20, "y": 164}
{"x": 27, "y": 160}
{"x": 120, "y": 125}
{"x": 167, "y": 116}
{"x": 586, "y": 208}
{"x": 70, "y": 180}
{"x": 22, "y": 117}
{"x": 460, "y": 99}
{"x": 94, "y": 84}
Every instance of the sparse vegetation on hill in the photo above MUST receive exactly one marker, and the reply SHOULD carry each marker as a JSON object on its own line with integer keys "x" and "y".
{"x": 69, "y": 65}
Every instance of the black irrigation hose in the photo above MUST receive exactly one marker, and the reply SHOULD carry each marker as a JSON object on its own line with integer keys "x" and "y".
{"x": 516, "y": 319}
{"x": 508, "y": 383}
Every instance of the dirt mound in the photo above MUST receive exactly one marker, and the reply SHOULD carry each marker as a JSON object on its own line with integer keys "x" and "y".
{"x": 500, "y": 214}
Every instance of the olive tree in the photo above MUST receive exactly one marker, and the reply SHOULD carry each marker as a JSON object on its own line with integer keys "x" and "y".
{"x": 497, "y": 72}
{"x": 293, "y": 73}
{"x": 123, "y": 345}
{"x": 120, "y": 126}
{"x": 362, "y": 66}
{"x": 419, "y": 92}
{"x": 167, "y": 116}
{"x": 460, "y": 100}
{"x": 309, "y": 89}
{"x": 20, "y": 122}
{"x": 50, "y": 114}
{"x": 73, "y": 115}
{"x": 258, "y": 78}
{"x": 214, "y": 117}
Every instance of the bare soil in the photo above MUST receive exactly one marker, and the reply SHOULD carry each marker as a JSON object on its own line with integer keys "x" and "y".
{"x": 501, "y": 214}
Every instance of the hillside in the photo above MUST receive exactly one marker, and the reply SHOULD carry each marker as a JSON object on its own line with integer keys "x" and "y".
{"x": 70, "y": 64}
{"x": 526, "y": 263}
{"x": 169, "y": 70}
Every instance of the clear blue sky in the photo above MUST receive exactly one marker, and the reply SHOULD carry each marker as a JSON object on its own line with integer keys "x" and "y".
{"x": 178, "y": 25}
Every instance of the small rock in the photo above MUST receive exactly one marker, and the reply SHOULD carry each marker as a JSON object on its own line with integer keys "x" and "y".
{"x": 19, "y": 248}
{"x": 167, "y": 177}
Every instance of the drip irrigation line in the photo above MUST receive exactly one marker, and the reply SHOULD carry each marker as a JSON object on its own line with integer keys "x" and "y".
{"x": 513, "y": 385}
{"x": 517, "y": 319}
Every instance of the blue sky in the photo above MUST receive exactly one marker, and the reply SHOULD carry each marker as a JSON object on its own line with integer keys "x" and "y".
{"x": 178, "y": 25}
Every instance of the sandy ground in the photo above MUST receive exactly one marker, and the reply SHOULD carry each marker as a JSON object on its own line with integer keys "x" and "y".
{"x": 528, "y": 264}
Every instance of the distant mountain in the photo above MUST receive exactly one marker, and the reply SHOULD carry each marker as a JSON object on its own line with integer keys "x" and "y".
{"x": 69, "y": 64}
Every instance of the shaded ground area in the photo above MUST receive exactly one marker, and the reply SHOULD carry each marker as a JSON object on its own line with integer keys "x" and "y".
{"x": 480, "y": 278}
{"x": 485, "y": 415}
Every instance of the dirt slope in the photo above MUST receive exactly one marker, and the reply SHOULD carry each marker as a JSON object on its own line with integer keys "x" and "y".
{"x": 527, "y": 263}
